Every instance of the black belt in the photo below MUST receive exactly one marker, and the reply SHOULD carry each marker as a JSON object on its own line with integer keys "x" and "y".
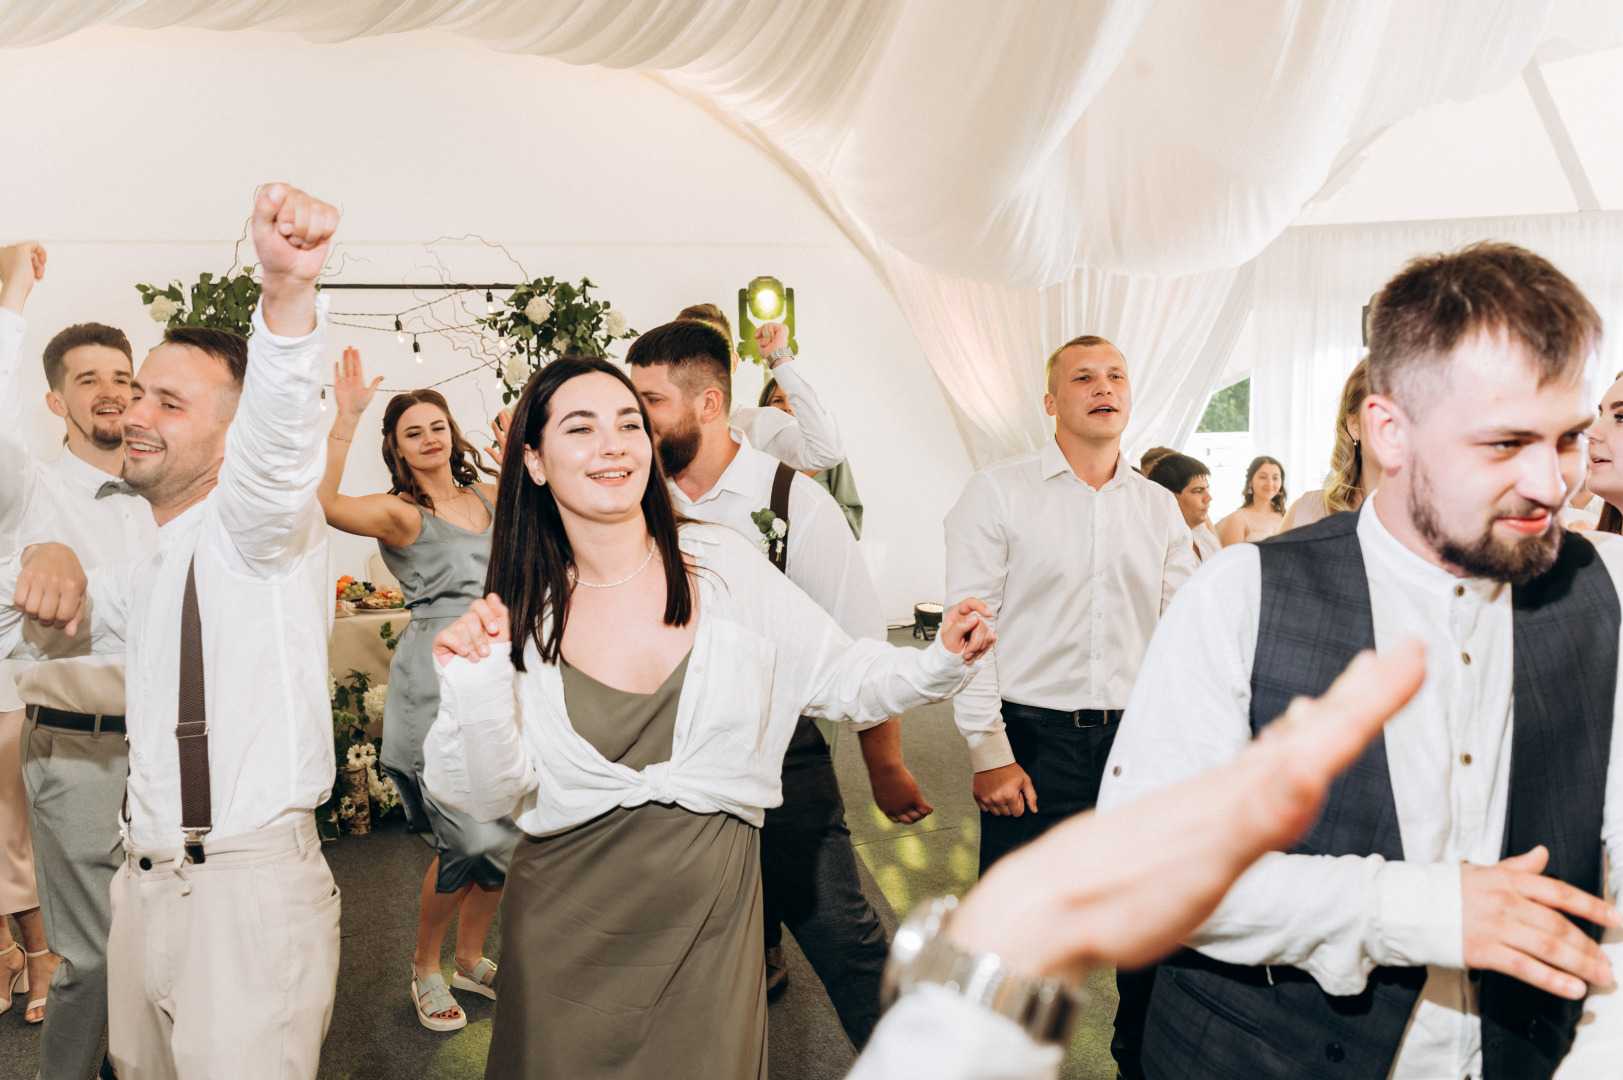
{"x": 75, "y": 721}
{"x": 1073, "y": 718}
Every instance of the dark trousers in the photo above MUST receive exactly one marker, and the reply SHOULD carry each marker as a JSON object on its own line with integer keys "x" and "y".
{"x": 809, "y": 882}
{"x": 1127, "y": 1044}
{"x": 1065, "y": 763}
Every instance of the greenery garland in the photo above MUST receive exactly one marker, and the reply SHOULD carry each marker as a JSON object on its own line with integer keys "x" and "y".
{"x": 224, "y": 303}
{"x": 545, "y": 319}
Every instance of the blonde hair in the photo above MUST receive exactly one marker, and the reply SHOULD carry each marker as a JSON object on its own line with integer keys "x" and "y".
{"x": 1086, "y": 341}
{"x": 1344, "y": 487}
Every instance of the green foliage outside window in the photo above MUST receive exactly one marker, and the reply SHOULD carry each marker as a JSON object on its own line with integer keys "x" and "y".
{"x": 1229, "y": 409}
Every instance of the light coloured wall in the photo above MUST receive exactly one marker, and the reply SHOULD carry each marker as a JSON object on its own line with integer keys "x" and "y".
{"x": 133, "y": 155}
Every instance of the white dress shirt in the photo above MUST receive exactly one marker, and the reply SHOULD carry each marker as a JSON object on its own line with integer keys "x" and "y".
{"x": 1206, "y": 542}
{"x": 1076, "y": 580}
{"x": 1448, "y": 752}
{"x": 764, "y": 654}
{"x": 810, "y": 439}
{"x": 57, "y": 501}
{"x": 260, "y": 544}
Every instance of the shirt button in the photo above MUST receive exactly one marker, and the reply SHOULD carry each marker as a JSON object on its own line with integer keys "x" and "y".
{"x": 1465, "y": 759}
{"x": 1466, "y": 657}
{"x": 1459, "y": 590}
{"x": 1115, "y": 771}
{"x": 145, "y": 863}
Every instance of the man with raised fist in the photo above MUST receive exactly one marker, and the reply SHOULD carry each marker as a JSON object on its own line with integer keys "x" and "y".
{"x": 223, "y": 954}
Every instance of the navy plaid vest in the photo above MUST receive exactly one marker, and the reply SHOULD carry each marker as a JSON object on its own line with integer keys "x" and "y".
{"x": 1213, "y": 1020}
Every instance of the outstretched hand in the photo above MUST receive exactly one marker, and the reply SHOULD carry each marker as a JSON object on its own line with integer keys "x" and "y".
{"x": 770, "y": 337}
{"x": 350, "y": 390}
{"x": 1127, "y": 886}
{"x": 483, "y": 625}
{"x": 498, "y": 434}
{"x": 964, "y": 630}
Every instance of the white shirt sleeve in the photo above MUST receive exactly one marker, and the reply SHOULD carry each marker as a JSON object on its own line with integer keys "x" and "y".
{"x": 932, "y": 1034}
{"x": 274, "y": 451}
{"x": 810, "y": 439}
{"x": 1335, "y": 918}
{"x": 1181, "y": 559}
{"x": 17, "y": 479}
{"x": 474, "y": 757}
{"x": 826, "y": 563}
{"x": 977, "y": 565}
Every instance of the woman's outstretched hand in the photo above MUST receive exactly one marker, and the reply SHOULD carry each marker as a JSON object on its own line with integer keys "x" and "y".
{"x": 350, "y": 390}
{"x": 1127, "y": 886}
{"x": 483, "y": 625}
{"x": 964, "y": 630}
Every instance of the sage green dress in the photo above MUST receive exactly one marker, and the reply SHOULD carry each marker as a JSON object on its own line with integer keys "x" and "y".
{"x": 631, "y": 944}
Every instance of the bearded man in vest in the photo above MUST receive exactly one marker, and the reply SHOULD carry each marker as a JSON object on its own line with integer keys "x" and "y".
{"x": 1442, "y": 918}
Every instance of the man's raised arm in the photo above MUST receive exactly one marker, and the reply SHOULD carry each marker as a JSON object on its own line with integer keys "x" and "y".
{"x": 20, "y": 266}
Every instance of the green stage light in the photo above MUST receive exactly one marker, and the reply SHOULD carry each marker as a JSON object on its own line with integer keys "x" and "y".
{"x": 763, "y": 300}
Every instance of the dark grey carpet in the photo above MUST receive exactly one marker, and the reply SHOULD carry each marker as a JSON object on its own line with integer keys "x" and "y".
{"x": 375, "y": 1035}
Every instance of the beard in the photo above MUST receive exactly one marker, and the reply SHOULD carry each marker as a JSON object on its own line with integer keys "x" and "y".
{"x": 1486, "y": 556}
{"x": 103, "y": 434}
{"x": 678, "y": 446}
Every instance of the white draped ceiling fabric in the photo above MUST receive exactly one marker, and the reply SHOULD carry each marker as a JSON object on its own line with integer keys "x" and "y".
{"x": 1018, "y": 172}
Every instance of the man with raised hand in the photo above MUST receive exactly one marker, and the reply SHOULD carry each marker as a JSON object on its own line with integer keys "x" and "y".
{"x": 223, "y": 953}
{"x": 1440, "y": 918}
{"x": 74, "y": 757}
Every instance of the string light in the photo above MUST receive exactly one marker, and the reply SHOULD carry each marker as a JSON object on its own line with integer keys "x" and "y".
{"x": 323, "y": 399}
{"x": 490, "y": 302}
{"x": 399, "y": 331}
{"x": 417, "y": 348}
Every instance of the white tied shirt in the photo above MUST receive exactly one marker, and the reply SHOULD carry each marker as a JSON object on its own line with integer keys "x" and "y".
{"x": 810, "y": 439}
{"x": 1076, "y": 580}
{"x": 1448, "y": 753}
{"x": 261, "y": 548}
{"x": 763, "y": 655}
{"x": 56, "y": 501}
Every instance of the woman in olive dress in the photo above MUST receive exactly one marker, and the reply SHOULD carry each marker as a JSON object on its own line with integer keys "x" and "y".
{"x": 433, "y": 531}
{"x": 660, "y": 669}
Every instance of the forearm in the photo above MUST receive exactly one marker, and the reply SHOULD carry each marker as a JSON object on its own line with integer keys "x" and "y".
{"x": 882, "y": 746}
{"x": 14, "y": 292}
{"x": 338, "y": 444}
{"x": 288, "y": 305}
{"x": 474, "y": 756}
{"x": 933, "y": 1034}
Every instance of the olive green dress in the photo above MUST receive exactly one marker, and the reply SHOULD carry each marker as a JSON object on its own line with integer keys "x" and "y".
{"x": 631, "y": 944}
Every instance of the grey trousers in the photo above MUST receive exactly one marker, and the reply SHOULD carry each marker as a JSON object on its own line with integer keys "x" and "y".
{"x": 75, "y": 784}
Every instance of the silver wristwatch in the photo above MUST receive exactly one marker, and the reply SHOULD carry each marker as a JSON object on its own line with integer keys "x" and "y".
{"x": 1046, "y": 1009}
{"x": 778, "y": 356}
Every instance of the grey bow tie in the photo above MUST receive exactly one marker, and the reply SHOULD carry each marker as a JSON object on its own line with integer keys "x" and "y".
{"x": 114, "y": 487}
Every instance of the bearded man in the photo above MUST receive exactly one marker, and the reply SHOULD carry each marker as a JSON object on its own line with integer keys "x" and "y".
{"x": 1441, "y": 919}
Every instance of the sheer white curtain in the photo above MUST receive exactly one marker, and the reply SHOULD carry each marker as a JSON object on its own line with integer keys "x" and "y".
{"x": 1312, "y": 285}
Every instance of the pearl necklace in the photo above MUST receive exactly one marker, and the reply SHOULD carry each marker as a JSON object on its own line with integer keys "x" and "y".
{"x": 622, "y": 581}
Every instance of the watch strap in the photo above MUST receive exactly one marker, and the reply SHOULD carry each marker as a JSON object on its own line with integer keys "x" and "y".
{"x": 778, "y": 356}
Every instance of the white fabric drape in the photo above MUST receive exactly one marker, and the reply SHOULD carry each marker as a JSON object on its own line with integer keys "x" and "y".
{"x": 1126, "y": 154}
{"x": 1312, "y": 285}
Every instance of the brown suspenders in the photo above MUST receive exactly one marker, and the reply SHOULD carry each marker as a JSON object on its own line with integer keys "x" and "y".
{"x": 192, "y": 729}
{"x": 780, "y": 509}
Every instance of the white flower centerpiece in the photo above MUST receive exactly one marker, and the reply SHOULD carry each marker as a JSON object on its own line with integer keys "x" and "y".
{"x": 546, "y": 318}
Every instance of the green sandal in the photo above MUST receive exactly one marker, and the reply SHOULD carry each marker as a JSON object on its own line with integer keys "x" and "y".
{"x": 481, "y": 980}
{"x": 433, "y": 997}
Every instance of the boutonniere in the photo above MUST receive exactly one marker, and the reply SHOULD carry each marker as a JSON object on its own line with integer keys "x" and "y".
{"x": 773, "y": 530}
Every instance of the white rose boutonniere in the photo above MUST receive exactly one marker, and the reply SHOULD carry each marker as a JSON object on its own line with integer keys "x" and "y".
{"x": 774, "y": 531}
{"x": 538, "y": 310}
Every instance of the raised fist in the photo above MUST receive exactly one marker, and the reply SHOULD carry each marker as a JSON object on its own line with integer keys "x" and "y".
{"x": 291, "y": 233}
{"x": 20, "y": 262}
{"x": 770, "y": 337}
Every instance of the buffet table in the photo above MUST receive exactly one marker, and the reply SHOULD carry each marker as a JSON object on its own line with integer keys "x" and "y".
{"x": 357, "y": 645}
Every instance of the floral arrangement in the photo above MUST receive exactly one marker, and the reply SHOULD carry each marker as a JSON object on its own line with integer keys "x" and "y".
{"x": 774, "y": 531}
{"x": 226, "y": 302}
{"x": 356, "y": 703}
{"x": 546, "y": 318}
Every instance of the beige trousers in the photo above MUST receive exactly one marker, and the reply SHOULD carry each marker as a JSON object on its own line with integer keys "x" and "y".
{"x": 225, "y": 969}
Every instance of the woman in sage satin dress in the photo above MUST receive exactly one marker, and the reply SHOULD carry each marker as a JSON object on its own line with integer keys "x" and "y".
{"x": 433, "y": 531}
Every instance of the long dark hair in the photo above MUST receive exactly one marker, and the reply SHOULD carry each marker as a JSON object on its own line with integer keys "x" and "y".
{"x": 464, "y": 459}
{"x": 1278, "y": 501}
{"x": 767, "y": 391}
{"x": 530, "y": 555}
{"x": 1611, "y": 520}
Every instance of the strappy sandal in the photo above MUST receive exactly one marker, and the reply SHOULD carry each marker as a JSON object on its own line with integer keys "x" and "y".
{"x": 37, "y": 1003}
{"x": 481, "y": 980}
{"x": 19, "y": 981}
{"x": 432, "y": 996}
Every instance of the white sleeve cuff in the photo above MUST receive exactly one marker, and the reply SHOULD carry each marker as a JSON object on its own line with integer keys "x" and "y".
{"x": 471, "y": 692}
{"x": 990, "y": 750}
{"x": 1420, "y": 916}
{"x": 277, "y": 341}
{"x": 932, "y": 1034}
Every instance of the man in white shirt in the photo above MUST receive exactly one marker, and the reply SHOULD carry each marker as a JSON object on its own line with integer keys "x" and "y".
{"x": 223, "y": 953}
{"x": 808, "y": 867}
{"x": 74, "y": 757}
{"x": 808, "y": 437}
{"x": 1423, "y": 927}
{"x": 1077, "y": 555}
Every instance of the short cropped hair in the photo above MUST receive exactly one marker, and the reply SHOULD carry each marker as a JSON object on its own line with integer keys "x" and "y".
{"x": 1437, "y": 302}
{"x": 695, "y": 351}
{"x": 85, "y": 333}
{"x": 1174, "y": 472}
{"x": 1085, "y": 341}
{"x": 709, "y": 313}
{"x": 1151, "y": 456}
{"x": 229, "y": 348}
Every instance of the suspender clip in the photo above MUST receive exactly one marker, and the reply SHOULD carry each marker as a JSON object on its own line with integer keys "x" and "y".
{"x": 194, "y": 846}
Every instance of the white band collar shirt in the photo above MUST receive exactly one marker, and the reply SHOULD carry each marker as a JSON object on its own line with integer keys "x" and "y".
{"x": 1448, "y": 754}
{"x": 1076, "y": 580}
{"x": 260, "y": 544}
{"x": 764, "y": 654}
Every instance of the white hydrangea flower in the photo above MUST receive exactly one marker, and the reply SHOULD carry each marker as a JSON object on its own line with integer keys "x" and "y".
{"x": 163, "y": 309}
{"x": 614, "y": 324}
{"x": 346, "y": 809}
{"x": 517, "y": 373}
{"x": 382, "y": 790}
{"x": 538, "y": 310}
{"x": 560, "y": 343}
{"x": 372, "y": 703}
{"x": 332, "y": 689}
{"x": 780, "y": 527}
